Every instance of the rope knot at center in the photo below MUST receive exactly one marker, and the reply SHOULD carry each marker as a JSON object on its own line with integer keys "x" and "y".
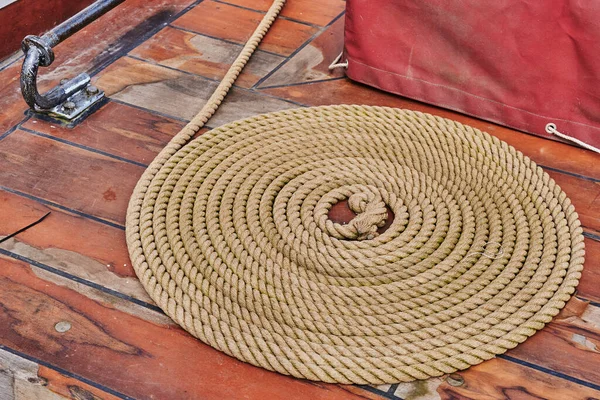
{"x": 371, "y": 214}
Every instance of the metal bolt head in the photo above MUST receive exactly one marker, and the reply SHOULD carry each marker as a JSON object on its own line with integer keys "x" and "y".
{"x": 69, "y": 105}
{"x": 62, "y": 326}
{"x": 91, "y": 90}
{"x": 455, "y": 380}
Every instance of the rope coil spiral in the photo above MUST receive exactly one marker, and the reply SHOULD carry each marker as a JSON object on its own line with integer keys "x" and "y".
{"x": 229, "y": 233}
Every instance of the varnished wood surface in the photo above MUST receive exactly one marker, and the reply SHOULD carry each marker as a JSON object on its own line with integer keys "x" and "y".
{"x": 138, "y": 138}
{"x": 158, "y": 66}
{"x": 179, "y": 94}
{"x": 218, "y": 19}
{"x": 205, "y": 56}
{"x": 312, "y": 12}
{"x": 22, "y": 378}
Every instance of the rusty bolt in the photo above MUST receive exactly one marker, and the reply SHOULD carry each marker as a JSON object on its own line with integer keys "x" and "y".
{"x": 455, "y": 380}
{"x": 69, "y": 105}
{"x": 90, "y": 90}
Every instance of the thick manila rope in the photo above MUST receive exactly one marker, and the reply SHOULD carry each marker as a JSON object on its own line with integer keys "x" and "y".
{"x": 229, "y": 234}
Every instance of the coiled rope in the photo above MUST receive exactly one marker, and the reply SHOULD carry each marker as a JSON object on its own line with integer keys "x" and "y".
{"x": 229, "y": 234}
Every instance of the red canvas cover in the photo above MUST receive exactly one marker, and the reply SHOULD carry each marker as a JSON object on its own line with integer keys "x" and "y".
{"x": 519, "y": 63}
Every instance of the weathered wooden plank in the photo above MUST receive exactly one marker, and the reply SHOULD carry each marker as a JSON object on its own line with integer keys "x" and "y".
{"x": 237, "y": 24}
{"x": 22, "y": 379}
{"x": 75, "y": 252}
{"x": 495, "y": 379}
{"x": 204, "y": 56}
{"x": 130, "y": 355}
{"x": 19, "y": 380}
{"x": 312, "y": 62}
{"x": 72, "y": 388}
{"x": 141, "y": 308}
{"x": 568, "y": 345}
{"x": 79, "y": 179}
{"x": 501, "y": 379}
{"x": 179, "y": 94}
{"x": 493, "y": 385}
{"x": 97, "y": 45}
{"x": 63, "y": 236}
{"x": 116, "y": 129}
{"x": 313, "y": 12}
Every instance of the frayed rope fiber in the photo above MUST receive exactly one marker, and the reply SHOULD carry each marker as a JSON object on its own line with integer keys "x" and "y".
{"x": 229, "y": 234}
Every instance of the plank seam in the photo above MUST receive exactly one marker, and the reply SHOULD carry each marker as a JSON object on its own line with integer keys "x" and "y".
{"x": 550, "y": 372}
{"x": 143, "y": 38}
{"x": 388, "y": 395}
{"x": 336, "y": 78}
{"x": 587, "y": 178}
{"x": 240, "y": 45}
{"x": 249, "y": 90}
{"x": 158, "y": 113}
{"x": 64, "y": 372}
{"x": 61, "y": 207}
{"x": 302, "y": 46}
{"x": 15, "y": 127}
{"x": 591, "y": 302}
{"x": 82, "y": 147}
{"x": 264, "y": 12}
{"x": 77, "y": 279}
{"x": 591, "y": 236}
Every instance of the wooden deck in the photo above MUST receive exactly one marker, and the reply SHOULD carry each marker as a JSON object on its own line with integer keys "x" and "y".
{"x": 159, "y": 61}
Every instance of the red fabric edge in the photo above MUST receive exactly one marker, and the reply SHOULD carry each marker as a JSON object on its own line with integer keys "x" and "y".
{"x": 466, "y": 103}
